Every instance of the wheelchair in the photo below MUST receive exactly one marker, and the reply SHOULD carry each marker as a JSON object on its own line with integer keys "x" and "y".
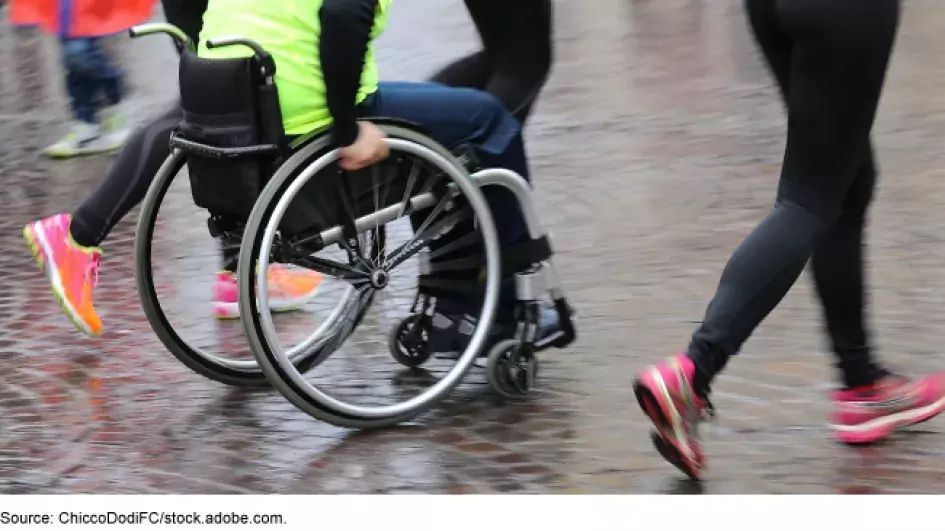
{"x": 424, "y": 205}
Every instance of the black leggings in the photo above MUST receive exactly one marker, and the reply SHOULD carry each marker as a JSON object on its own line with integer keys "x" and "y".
{"x": 830, "y": 61}
{"x": 127, "y": 180}
{"x": 513, "y": 66}
{"x": 516, "y": 54}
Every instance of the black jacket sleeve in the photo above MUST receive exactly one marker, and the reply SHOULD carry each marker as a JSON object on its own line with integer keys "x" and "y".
{"x": 346, "y": 33}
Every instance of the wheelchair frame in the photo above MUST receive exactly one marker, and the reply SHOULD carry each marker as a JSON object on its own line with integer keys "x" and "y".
{"x": 511, "y": 363}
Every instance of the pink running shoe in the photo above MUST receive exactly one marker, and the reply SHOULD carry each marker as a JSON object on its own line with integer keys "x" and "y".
{"x": 71, "y": 268}
{"x": 666, "y": 395}
{"x": 289, "y": 290}
{"x": 870, "y": 414}
{"x": 225, "y": 302}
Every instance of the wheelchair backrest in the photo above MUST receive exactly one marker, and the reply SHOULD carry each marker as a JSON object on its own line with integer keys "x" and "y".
{"x": 231, "y": 132}
{"x": 220, "y": 87}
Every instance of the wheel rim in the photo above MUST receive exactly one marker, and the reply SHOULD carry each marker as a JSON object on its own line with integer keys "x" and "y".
{"x": 300, "y": 388}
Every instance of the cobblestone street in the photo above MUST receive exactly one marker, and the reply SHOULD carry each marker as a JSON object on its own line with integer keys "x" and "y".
{"x": 655, "y": 148}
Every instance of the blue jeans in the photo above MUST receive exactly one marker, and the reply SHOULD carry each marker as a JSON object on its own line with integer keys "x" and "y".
{"x": 90, "y": 77}
{"x": 454, "y": 116}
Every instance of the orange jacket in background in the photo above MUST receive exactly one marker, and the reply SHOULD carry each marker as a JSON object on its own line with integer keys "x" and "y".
{"x": 81, "y": 18}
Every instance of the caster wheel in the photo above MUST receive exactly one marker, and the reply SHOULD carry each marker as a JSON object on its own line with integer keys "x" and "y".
{"x": 409, "y": 342}
{"x": 511, "y": 379}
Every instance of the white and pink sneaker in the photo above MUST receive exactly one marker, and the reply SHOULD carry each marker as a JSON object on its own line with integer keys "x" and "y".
{"x": 289, "y": 290}
{"x": 870, "y": 414}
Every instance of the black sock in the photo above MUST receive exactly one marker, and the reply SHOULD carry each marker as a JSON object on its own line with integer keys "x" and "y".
{"x": 705, "y": 372}
{"x": 701, "y": 383}
{"x": 861, "y": 374}
{"x": 82, "y": 233}
{"x": 230, "y": 250}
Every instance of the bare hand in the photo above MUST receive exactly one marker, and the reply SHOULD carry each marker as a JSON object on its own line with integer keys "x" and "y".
{"x": 369, "y": 148}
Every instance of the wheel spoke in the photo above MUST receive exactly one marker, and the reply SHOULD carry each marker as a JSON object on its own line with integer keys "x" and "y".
{"x": 411, "y": 247}
{"x": 355, "y": 249}
{"x": 332, "y": 268}
{"x": 411, "y": 182}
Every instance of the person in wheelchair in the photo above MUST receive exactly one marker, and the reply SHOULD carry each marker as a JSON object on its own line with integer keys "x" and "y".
{"x": 327, "y": 77}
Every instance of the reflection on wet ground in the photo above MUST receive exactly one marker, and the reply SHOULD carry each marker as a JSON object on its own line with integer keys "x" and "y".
{"x": 655, "y": 148}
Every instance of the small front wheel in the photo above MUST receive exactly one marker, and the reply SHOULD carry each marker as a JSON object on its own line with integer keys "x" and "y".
{"x": 511, "y": 370}
{"x": 409, "y": 341}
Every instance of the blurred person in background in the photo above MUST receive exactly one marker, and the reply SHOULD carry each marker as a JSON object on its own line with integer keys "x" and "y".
{"x": 829, "y": 59}
{"x": 93, "y": 82}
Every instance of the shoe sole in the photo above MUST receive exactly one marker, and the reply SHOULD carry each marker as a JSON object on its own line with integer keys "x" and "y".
{"x": 665, "y": 439}
{"x": 229, "y": 311}
{"x": 671, "y": 454}
{"x": 40, "y": 249}
{"x": 60, "y": 155}
{"x": 878, "y": 429}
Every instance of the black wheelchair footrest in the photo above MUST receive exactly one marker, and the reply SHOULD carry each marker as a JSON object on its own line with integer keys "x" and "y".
{"x": 566, "y": 335}
{"x": 522, "y": 256}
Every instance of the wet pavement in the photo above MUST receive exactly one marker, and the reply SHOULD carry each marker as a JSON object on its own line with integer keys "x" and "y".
{"x": 655, "y": 149}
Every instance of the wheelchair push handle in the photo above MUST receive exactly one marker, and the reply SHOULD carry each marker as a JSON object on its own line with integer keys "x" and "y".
{"x": 173, "y": 31}
{"x": 267, "y": 64}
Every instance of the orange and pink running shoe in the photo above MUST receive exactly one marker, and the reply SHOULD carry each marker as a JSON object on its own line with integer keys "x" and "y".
{"x": 71, "y": 268}
{"x": 869, "y": 414}
{"x": 667, "y": 397}
{"x": 289, "y": 290}
{"x": 73, "y": 274}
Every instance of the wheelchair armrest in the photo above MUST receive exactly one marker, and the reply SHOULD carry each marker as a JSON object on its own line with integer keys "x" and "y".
{"x": 203, "y": 150}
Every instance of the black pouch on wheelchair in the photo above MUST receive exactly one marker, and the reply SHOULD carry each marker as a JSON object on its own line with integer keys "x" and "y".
{"x": 226, "y": 128}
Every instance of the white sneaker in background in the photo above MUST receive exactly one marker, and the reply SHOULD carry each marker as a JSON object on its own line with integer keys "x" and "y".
{"x": 115, "y": 127}
{"x": 83, "y": 138}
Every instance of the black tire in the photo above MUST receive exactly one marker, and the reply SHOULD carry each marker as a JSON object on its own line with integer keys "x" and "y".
{"x": 497, "y": 370}
{"x": 403, "y": 354}
{"x": 150, "y": 302}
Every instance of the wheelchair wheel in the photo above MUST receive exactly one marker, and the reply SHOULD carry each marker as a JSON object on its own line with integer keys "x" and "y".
{"x": 194, "y": 352}
{"x": 419, "y": 196}
{"x": 511, "y": 371}
{"x": 409, "y": 341}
